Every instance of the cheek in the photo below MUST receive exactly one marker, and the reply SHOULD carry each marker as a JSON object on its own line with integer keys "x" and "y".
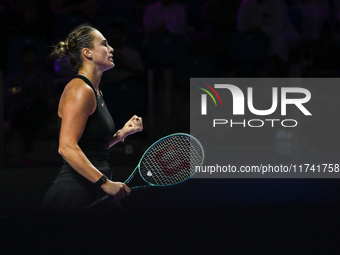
{"x": 104, "y": 53}
{"x": 99, "y": 55}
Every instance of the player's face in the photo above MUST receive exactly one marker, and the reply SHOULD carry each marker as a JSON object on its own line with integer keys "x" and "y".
{"x": 102, "y": 52}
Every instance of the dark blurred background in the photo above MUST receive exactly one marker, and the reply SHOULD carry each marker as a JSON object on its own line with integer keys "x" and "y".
{"x": 158, "y": 46}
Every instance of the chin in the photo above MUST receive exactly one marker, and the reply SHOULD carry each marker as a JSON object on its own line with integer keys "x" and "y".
{"x": 109, "y": 67}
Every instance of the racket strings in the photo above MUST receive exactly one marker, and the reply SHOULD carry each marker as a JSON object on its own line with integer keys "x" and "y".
{"x": 171, "y": 160}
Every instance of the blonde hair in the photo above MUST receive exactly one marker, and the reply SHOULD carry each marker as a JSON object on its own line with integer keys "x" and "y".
{"x": 79, "y": 38}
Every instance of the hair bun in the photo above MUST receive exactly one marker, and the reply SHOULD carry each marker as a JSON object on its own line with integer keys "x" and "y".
{"x": 61, "y": 49}
{"x": 79, "y": 38}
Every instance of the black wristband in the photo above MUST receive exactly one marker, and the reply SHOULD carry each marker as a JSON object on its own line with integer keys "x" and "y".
{"x": 101, "y": 180}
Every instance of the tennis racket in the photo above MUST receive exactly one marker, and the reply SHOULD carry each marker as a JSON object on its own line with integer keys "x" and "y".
{"x": 168, "y": 161}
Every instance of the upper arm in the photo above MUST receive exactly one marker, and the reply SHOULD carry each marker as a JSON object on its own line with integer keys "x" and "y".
{"x": 77, "y": 104}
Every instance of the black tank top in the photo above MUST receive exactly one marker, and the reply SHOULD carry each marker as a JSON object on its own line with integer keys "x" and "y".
{"x": 98, "y": 131}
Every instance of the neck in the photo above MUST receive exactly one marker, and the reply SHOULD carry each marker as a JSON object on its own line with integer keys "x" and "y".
{"x": 93, "y": 76}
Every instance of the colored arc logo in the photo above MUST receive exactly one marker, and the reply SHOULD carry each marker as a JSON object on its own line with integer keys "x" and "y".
{"x": 209, "y": 93}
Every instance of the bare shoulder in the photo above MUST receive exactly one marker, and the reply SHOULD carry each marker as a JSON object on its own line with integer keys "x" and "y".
{"x": 77, "y": 94}
{"x": 78, "y": 88}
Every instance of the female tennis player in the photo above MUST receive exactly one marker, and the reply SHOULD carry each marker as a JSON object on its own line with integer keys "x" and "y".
{"x": 86, "y": 128}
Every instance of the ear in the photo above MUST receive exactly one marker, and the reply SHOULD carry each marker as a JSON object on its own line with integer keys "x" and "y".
{"x": 87, "y": 53}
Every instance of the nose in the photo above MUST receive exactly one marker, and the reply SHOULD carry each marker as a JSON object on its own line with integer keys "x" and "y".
{"x": 111, "y": 50}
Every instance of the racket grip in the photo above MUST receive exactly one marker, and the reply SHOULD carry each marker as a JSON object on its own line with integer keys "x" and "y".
{"x": 98, "y": 201}
{"x": 102, "y": 199}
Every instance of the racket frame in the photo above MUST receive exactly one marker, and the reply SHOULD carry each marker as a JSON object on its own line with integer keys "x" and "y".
{"x": 138, "y": 167}
{"x": 149, "y": 148}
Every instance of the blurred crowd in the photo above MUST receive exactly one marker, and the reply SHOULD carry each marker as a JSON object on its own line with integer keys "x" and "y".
{"x": 156, "y": 42}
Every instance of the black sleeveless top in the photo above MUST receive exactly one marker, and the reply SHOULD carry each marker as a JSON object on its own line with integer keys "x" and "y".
{"x": 98, "y": 131}
{"x": 70, "y": 191}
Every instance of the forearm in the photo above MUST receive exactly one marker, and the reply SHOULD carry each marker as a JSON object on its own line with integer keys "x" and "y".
{"x": 134, "y": 125}
{"x": 117, "y": 137}
{"x": 76, "y": 158}
{"x": 80, "y": 163}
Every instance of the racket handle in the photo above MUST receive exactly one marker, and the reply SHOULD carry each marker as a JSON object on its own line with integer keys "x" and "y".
{"x": 98, "y": 201}
{"x": 102, "y": 199}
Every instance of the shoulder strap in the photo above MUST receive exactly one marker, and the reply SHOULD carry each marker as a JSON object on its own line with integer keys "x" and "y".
{"x": 87, "y": 81}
